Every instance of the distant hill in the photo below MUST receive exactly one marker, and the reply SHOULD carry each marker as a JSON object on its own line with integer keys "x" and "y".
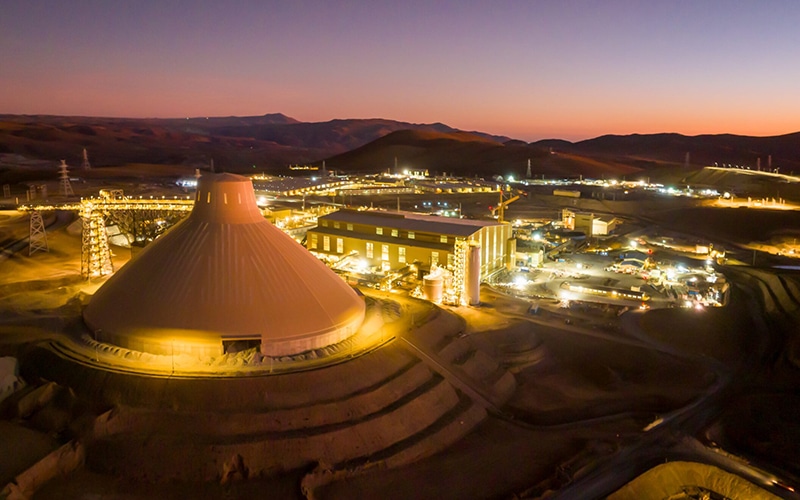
{"x": 271, "y": 142}
{"x": 234, "y": 143}
{"x": 703, "y": 150}
{"x": 466, "y": 153}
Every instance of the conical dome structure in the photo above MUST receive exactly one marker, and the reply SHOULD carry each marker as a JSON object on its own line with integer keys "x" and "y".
{"x": 224, "y": 274}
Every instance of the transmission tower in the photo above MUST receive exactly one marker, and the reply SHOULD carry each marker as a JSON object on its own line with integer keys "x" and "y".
{"x": 85, "y": 165}
{"x": 37, "y": 241}
{"x": 64, "y": 187}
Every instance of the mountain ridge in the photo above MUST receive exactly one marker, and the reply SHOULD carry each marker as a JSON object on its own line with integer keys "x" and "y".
{"x": 272, "y": 141}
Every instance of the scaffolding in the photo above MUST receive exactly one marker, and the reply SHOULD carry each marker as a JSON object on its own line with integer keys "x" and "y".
{"x": 95, "y": 253}
{"x": 460, "y": 270}
{"x": 37, "y": 241}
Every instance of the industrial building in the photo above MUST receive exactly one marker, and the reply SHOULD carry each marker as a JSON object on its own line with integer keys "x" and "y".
{"x": 588, "y": 223}
{"x": 392, "y": 240}
{"x": 224, "y": 276}
{"x": 469, "y": 249}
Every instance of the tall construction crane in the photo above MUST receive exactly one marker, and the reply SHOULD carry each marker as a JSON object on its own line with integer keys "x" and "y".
{"x": 501, "y": 207}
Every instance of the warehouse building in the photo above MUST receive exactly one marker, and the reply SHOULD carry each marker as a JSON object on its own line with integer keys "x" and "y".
{"x": 392, "y": 240}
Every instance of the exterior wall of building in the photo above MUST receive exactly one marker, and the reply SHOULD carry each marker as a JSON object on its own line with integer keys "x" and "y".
{"x": 568, "y": 218}
{"x": 599, "y": 227}
{"x": 399, "y": 252}
{"x": 393, "y": 248}
{"x": 585, "y": 223}
{"x": 529, "y": 257}
{"x": 567, "y": 192}
{"x": 602, "y": 227}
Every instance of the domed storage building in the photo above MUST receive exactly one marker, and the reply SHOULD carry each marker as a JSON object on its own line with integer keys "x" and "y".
{"x": 224, "y": 274}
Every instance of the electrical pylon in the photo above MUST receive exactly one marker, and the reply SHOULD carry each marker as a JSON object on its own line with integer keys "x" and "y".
{"x": 37, "y": 240}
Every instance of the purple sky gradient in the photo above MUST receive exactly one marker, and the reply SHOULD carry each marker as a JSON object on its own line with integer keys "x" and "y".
{"x": 526, "y": 69}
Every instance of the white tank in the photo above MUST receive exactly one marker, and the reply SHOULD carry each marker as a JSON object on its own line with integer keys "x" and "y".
{"x": 432, "y": 287}
{"x": 472, "y": 276}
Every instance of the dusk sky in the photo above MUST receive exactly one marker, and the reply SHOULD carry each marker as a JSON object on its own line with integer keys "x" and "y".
{"x": 525, "y": 69}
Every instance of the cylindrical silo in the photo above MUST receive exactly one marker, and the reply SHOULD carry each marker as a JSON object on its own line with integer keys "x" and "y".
{"x": 472, "y": 275}
{"x": 432, "y": 287}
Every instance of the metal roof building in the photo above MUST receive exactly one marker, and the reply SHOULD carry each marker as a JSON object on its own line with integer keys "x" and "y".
{"x": 391, "y": 240}
{"x": 411, "y": 221}
{"x": 224, "y": 274}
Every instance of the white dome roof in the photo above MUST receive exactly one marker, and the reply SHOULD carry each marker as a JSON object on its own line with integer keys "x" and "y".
{"x": 224, "y": 272}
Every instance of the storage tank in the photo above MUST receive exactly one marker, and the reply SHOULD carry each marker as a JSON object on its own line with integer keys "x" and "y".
{"x": 472, "y": 274}
{"x": 432, "y": 287}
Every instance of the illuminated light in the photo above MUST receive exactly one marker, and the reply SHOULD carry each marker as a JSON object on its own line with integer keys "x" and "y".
{"x": 520, "y": 282}
{"x": 633, "y": 244}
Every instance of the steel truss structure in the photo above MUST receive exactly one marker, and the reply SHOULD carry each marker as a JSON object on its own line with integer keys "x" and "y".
{"x": 64, "y": 187}
{"x": 37, "y": 240}
{"x": 459, "y": 271}
{"x": 131, "y": 215}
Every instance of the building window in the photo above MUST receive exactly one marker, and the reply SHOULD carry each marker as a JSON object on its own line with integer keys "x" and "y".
{"x": 370, "y": 250}
{"x": 349, "y": 227}
{"x": 339, "y": 245}
{"x": 324, "y": 223}
{"x": 313, "y": 241}
{"x": 401, "y": 255}
{"x": 336, "y": 225}
{"x": 384, "y": 252}
{"x": 379, "y": 230}
{"x": 411, "y": 235}
{"x": 443, "y": 238}
{"x": 394, "y": 233}
{"x": 326, "y": 243}
{"x": 434, "y": 258}
{"x": 451, "y": 259}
